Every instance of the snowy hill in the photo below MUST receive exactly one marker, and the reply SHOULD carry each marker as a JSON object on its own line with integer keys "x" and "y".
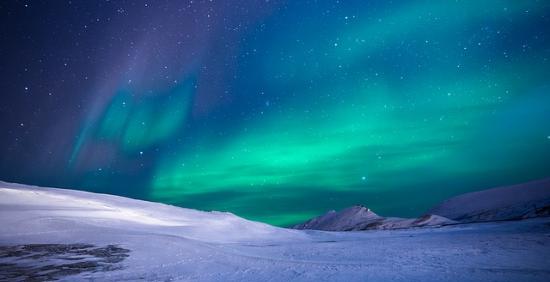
{"x": 56, "y": 234}
{"x": 361, "y": 218}
{"x": 504, "y": 203}
{"x": 27, "y": 208}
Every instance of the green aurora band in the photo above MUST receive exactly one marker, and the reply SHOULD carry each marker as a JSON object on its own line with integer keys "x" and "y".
{"x": 356, "y": 125}
{"x": 395, "y": 106}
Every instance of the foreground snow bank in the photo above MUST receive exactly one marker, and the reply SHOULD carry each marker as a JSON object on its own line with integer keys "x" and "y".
{"x": 73, "y": 236}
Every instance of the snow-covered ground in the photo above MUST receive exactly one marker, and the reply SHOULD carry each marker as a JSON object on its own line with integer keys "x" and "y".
{"x": 119, "y": 239}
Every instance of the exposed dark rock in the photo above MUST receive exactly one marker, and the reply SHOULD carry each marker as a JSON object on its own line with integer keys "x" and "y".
{"x": 46, "y": 262}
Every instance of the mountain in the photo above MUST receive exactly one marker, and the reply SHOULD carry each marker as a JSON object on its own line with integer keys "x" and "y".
{"x": 346, "y": 219}
{"x": 520, "y": 201}
{"x": 49, "y": 234}
{"x": 357, "y": 218}
{"x": 504, "y": 203}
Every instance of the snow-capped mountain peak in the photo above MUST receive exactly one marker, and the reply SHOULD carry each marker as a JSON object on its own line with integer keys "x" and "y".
{"x": 345, "y": 219}
{"x": 503, "y": 203}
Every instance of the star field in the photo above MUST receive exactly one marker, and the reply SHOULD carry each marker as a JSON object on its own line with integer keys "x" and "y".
{"x": 276, "y": 110}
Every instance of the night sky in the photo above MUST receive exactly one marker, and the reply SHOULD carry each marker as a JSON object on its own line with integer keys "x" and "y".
{"x": 276, "y": 110}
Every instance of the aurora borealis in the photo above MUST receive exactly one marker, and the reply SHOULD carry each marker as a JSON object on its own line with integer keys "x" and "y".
{"x": 276, "y": 110}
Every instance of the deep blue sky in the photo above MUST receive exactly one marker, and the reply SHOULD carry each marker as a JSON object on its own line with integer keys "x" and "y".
{"x": 276, "y": 110}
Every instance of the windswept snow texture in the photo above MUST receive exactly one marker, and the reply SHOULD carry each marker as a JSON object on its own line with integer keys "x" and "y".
{"x": 361, "y": 218}
{"x": 165, "y": 243}
{"x": 505, "y": 203}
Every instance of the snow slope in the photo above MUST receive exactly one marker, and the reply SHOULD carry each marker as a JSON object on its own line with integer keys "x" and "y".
{"x": 504, "y": 203}
{"x": 74, "y": 236}
{"x": 27, "y": 208}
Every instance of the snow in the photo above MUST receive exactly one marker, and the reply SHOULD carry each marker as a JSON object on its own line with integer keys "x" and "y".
{"x": 36, "y": 203}
{"x": 167, "y": 243}
{"x": 527, "y": 200}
